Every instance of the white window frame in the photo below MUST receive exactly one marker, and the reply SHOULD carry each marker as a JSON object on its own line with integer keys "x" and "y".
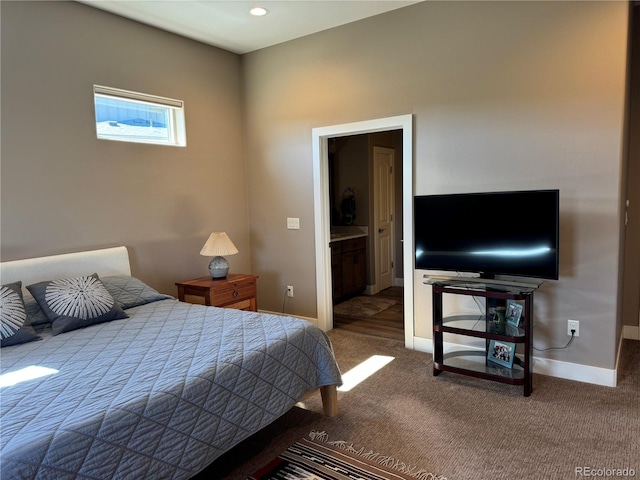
{"x": 174, "y": 108}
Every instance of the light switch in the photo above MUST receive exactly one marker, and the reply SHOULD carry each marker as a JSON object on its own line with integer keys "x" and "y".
{"x": 293, "y": 223}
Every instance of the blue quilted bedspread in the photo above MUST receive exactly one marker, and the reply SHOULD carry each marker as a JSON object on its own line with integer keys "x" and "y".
{"x": 158, "y": 395}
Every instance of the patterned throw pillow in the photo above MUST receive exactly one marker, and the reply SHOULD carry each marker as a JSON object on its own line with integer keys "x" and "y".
{"x": 131, "y": 292}
{"x": 72, "y": 303}
{"x": 14, "y": 322}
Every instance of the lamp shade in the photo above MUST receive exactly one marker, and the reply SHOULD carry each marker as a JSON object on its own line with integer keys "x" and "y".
{"x": 218, "y": 244}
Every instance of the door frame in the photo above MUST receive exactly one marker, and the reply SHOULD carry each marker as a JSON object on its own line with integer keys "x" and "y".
{"x": 321, "y": 202}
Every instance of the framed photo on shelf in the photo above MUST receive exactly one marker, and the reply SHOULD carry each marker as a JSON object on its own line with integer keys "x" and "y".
{"x": 514, "y": 313}
{"x": 501, "y": 353}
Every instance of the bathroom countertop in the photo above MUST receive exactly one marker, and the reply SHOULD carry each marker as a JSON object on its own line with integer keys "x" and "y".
{"x": 338, "y": 237}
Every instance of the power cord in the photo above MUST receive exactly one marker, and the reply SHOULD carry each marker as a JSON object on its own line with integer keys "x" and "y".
{"x": 284, "y": 299}
{"x": 573, "y": 332}
{"x": 478, "y": 304}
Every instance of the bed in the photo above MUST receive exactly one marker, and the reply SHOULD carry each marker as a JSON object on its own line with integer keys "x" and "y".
{"x": 158, "y": 394}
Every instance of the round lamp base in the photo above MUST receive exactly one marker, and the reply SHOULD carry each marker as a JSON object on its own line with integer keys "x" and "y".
{"x": 218, "y": 267}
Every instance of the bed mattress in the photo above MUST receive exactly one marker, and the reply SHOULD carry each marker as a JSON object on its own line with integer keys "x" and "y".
{"x": 158, "y": 395}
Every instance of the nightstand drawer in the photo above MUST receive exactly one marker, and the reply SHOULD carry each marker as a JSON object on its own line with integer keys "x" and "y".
{"x": 233, "y": 292}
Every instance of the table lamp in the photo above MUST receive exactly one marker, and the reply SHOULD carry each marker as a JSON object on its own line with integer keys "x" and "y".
{"x": 217, "y": 245}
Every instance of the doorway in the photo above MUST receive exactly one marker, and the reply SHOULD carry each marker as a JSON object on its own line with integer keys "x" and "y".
{"x": 380, "y": 315}
{"x": 320, "y": 137}
{"x": 363, "y": 204}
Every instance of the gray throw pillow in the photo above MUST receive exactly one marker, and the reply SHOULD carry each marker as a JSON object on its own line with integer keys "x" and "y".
{"x": 72, "y": 303}
{"x": 36, "y": 316}
{"x": 14, "y": 321}
{"x": 131, "y": 292}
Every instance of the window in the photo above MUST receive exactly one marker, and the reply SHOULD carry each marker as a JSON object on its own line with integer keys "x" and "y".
{"x": 137, "y": 117}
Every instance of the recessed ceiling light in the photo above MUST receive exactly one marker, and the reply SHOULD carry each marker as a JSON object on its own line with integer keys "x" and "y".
{"x": 259, "y": 11}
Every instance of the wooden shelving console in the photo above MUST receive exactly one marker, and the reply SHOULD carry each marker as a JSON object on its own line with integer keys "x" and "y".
{"x": 474, "y": 362}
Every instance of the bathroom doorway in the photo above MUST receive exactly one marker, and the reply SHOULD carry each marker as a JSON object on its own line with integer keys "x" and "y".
{"x": 365, "y": 200}
{"x": 380, "y": 315}
{"x": 321, "y": 138}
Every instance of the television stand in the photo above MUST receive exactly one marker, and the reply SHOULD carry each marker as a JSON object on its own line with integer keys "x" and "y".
{"x": 476, "y": 362}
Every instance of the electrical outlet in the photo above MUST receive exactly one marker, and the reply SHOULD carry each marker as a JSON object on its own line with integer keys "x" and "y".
{"x": 573, "y": 325}
{"x": 289, "y": 291}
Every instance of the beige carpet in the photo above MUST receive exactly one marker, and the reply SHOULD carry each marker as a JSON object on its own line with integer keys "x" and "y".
{"x": 460, "y": 427}
{"x": 363, "y": 306}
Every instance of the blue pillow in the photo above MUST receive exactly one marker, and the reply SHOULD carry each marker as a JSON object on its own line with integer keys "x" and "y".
{"x": 72, "y": 303}
{"x": 36, "y": 316}
{"x": 130, "y": 292}
{"x": 15, "y": 327}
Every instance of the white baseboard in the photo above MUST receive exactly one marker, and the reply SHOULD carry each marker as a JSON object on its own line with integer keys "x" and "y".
{"x": 423, "y": 344}
{"x": 631, "y": 332}
{"x": 545, "y": 366}
{"x": 618, "y": 356}
{"x": 575, "y": 371}
{"x": 398, "y": 282}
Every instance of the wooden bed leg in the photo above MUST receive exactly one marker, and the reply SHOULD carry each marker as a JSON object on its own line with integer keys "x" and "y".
{"x": 329, "y": 395}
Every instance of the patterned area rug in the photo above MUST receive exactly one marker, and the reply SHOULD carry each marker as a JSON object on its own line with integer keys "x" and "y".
{"x": 363, "y": 306}
{"x": 319, "y": 459}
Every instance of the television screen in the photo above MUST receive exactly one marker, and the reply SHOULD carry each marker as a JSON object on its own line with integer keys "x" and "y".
{"x": 497, "y": 233}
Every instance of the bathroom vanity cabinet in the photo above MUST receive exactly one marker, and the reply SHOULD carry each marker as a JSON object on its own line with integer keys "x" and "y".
{"x": 348, "y": 266}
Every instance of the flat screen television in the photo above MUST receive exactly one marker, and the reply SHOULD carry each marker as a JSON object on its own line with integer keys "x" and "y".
{"x": 512, "y": 233}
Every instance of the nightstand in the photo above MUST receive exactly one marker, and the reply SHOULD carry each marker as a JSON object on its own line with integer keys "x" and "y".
{"x": 237, "y": 290}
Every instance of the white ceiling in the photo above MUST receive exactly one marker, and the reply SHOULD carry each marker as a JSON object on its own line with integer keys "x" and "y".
{"x": 227, "y": 23}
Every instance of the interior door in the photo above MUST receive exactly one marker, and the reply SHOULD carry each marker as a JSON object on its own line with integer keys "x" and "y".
{"x": 383, "y": 216}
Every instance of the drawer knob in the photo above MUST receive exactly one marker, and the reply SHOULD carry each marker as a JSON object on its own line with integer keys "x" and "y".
{"x": 235, "y": 293}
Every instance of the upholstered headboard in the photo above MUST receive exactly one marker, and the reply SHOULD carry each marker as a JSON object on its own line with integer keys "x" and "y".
{"x": 104, "y": 262}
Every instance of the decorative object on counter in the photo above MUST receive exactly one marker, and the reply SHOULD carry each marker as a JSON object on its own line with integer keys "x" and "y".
{"x": 348, "y": 207}
{"x": 217, "y": 245}
{"x": 514, "y": 313}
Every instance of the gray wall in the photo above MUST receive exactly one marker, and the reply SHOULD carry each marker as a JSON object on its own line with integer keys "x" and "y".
{"x": 64, "y": 190}
{"x": 505, "y": 95}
